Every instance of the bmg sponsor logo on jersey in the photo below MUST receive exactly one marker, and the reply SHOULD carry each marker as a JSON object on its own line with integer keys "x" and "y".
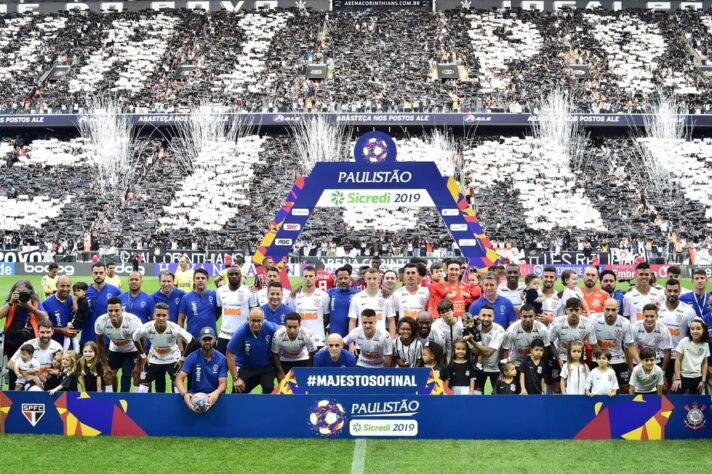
{"x": 33, "y": 412}
{"x": 393, "y": 418}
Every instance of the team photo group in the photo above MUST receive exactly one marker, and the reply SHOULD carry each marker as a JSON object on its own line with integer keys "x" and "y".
{"x": 496, "y": 332}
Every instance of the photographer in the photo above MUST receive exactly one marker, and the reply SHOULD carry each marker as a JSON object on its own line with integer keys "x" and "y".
{"x": 22, "y": 313}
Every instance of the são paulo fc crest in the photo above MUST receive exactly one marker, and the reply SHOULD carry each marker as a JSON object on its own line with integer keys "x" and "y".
{"x": 374, "y": 148}
{"x": 695, "y": 419}
{"x": 33, "y": 412}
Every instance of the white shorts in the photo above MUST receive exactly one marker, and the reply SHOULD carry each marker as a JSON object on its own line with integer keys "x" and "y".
{"x": 460, "y": 390}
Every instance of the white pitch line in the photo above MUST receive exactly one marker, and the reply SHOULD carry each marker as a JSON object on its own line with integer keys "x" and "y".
{"x": 359, "y": 460}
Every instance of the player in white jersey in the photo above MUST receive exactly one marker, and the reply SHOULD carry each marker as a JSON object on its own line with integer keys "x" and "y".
{"x": 272, "y": 275}
{"x": 45, "y": 348}
{"x": 653, "y": 334}
{"x": 641, "y": 295}
{"x": 426, "y": 333}
{"x": 313, "y": 305}
{"x": 566, "y": 329}
{"x": 167, "y": 352}
{"x": 292, "y": 346}
{"x": 373, "y": 345}
{"x": 410, "y": 299}
{"x": 372, "y": 298}
{"x": 449, "y": 326}
{"x": 519, "y": 336}
{"x": 123, "y": 350}
{"x": 674, "y": 273}
{"x": 613, "y": 334}
{"x": 234, "y": 302}
{"x": 676, "y": 316}
{"x": 488, "y": 349}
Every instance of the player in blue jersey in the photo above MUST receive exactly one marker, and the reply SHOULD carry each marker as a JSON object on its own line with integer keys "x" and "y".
{"x": 334, "y": 355}
{"x": 249, "y": 354}
{"x": 274, "y": 310}
{"x": 169, "y": 294}
{"x": 198, "y": 308}
{"x": 699, "y": 298}
{"x": 59, "y": 309}
{"x": 207, "y": 369}
{"x": 98, "y": 294}
{"x": 340, "y": 301}
{"x": 608, "y": 284}
{"x": 136, "y": 301}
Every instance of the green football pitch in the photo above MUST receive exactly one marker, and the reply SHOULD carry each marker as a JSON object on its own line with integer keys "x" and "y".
{"x": 26, "y": 453}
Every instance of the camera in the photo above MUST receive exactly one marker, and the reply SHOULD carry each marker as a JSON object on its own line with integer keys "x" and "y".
{"x": 24, "y": 296}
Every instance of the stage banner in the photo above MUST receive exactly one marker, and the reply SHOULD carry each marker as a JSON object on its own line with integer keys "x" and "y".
{"x": 362, "y": 381}
{"x": 383, "y": 4}
{"x": 376, "y": 179}
{"x": 153, "y": 255}
{"x": 643, "y": 417}
{"x": 248, "y": 270}
{"x": 540, "y": 257}
{"x": 331, "y": 264}
{"x": 149, "y": 121}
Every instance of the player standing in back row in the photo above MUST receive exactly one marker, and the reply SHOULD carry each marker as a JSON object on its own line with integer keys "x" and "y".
{"x": 372, "y": 298}
{"x": 410, "y": 299}
{"x": 234, "y": 302}
{"x": 312, "y": 304}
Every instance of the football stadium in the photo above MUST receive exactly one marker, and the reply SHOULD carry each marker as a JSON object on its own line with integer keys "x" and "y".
{"x": 356, "y": 230}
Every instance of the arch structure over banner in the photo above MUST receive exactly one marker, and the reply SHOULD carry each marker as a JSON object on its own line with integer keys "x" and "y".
{"x": 375, "y": 179}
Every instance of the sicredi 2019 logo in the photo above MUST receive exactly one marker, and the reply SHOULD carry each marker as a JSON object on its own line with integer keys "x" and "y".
{"x": 33, "y": 412}
{"x": 393, "y": 418}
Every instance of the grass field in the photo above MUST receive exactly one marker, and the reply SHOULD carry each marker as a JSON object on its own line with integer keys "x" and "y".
{"x": 168, "y": 455}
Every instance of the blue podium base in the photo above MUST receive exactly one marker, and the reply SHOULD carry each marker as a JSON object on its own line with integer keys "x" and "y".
{"x": 357, "y": 416}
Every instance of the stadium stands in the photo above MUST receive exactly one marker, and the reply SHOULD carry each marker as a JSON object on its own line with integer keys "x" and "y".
{"x": 521, "y": 194}
{"x": 255, "y": 61}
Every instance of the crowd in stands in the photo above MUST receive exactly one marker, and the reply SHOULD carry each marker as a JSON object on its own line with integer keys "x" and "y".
{"x": 523, "y": 198}
{"x": 379, "y": 62}
{"x": 255, "y": 61}
{"x": 525, "y": 338}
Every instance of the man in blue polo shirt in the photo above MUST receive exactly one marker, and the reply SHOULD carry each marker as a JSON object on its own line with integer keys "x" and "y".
{"x": 335, "y": 355}
{"x": 98, "y": 294}
{"x": 504, "y": 314}
{"x": 59, "y": 310}
{"x": 249, "y": 354}
{"x": 207, "y": 369}
{"x": 274, "y": 310}
{"x": 199, "y": 307}
{"x": 169, "y": 294}
{"x": 136, "y": 301}
{"x": 608, "y": 284}
{"x": 698, "y": 298}
{"x": 340, "y": 301}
